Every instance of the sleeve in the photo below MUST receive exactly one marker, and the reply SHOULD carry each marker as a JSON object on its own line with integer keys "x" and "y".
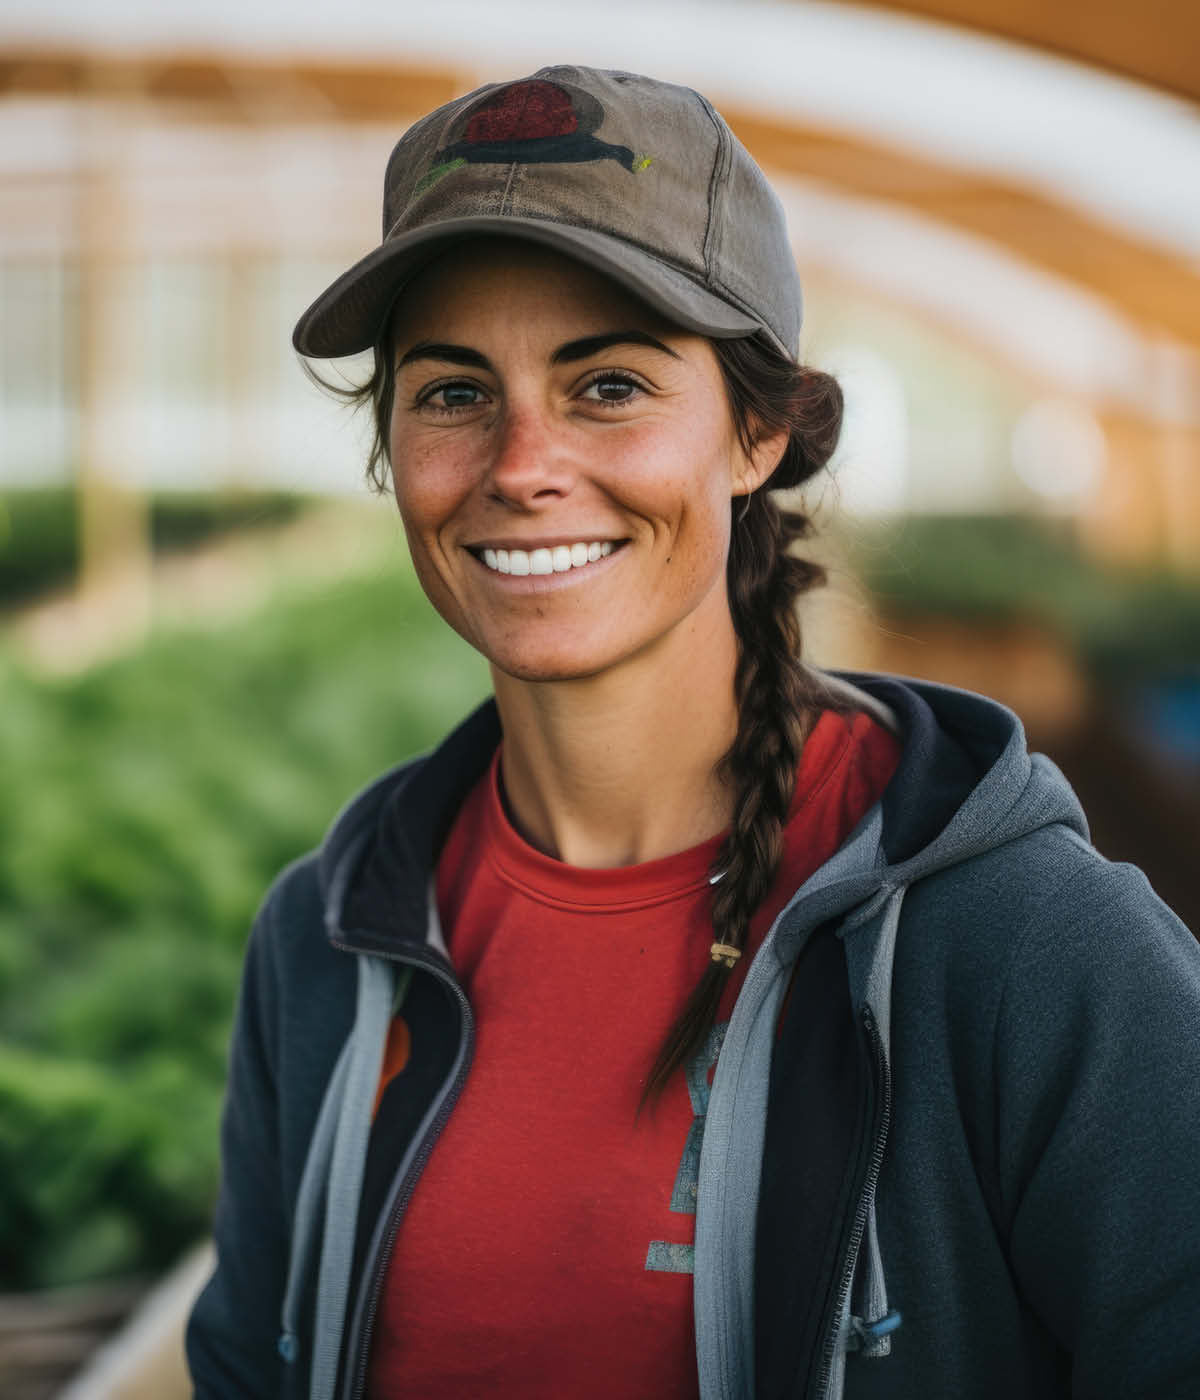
{"x": 1097, "y": 1063}
{"x": 233, "y": 1330}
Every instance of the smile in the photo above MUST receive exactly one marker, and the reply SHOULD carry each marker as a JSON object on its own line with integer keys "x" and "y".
{"x": 556, "y": 560}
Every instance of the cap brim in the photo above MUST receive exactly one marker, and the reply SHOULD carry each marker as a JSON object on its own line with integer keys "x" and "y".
{"x": 346, "y": 318}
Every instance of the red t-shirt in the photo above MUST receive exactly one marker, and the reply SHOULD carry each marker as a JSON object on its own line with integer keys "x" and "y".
{"x": 546, "y": 1250}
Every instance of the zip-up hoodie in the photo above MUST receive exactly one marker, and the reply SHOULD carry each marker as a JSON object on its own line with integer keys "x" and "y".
{"x": 953, "y": 1140}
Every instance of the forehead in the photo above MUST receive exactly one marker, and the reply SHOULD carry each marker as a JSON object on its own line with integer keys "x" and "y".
{"x": 491, "y": 283}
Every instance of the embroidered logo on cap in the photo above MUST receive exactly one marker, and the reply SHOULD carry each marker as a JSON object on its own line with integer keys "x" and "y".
{"x": 530, "y": 122}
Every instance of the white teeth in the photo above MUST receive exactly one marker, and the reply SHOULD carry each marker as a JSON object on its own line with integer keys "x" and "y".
{"x": 556, "y": 560}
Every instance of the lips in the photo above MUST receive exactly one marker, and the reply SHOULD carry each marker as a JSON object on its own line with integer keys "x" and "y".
{"x": 551, "y": 559}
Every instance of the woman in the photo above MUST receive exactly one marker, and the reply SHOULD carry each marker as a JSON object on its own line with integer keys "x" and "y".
{"x": 613, "y": 1047}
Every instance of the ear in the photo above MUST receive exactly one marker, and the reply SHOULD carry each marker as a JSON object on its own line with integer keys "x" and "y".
{"x": 751, "y": 469}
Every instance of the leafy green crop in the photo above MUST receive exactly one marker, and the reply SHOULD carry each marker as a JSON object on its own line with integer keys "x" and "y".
{"x": 144, "y": 809}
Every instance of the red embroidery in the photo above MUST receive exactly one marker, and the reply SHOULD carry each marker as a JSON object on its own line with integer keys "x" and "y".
{"x": 524, "y": 112}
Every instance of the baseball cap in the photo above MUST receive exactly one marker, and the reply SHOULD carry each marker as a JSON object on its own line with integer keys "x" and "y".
{"x": 640, "y": 179}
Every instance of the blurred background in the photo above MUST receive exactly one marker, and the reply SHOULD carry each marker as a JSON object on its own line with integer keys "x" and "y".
{"x": 209, "y": 633}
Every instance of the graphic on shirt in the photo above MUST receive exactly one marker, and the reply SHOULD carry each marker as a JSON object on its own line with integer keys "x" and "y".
{"x": 529, "y": 122}
{"x": 663, "y": 1255}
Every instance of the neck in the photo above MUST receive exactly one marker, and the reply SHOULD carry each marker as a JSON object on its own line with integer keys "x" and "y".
{"x": 620, "y": 768}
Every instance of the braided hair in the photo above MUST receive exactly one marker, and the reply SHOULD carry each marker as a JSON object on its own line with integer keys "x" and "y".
{"x": 776, "y": 695}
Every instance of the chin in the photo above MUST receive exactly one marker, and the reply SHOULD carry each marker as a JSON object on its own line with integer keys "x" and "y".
{"x": 545, "y": 670}
{"x": 553, "y": 663}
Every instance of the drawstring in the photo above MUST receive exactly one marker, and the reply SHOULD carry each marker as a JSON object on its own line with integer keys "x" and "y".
{"x": 872, "y": 1333}
{"x": 869, "y": 957}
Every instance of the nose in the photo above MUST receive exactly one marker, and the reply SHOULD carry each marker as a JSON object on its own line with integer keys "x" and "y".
{"x": 530, "y": 465}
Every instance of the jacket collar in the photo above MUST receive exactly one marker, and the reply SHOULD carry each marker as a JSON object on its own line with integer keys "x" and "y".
{"x": 376, "y": 861}
{"x": 965, "y": 783}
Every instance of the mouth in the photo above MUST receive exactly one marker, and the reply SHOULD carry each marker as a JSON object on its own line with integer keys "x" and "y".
{"x": 545, "y": 559}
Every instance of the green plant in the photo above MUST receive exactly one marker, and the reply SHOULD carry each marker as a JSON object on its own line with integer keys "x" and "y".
{"x": 145, "y": 807}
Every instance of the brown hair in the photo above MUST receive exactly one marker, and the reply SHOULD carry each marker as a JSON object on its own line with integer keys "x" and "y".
{"x": 777, "y": 696}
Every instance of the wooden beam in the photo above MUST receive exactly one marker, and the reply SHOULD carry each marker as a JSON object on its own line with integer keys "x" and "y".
{"x": 1153, "y": 41}
{"x": 233, "y": 87}
{"x": 1156, "y": 289}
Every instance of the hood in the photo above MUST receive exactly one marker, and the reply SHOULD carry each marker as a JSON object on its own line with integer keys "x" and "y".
{"x": 966, "y": 783}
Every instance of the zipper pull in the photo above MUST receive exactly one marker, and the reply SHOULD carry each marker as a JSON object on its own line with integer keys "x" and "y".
{"x": 872, "y": 1337}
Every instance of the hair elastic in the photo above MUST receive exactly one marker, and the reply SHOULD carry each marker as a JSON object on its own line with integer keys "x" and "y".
{"x": 724, "y": 953}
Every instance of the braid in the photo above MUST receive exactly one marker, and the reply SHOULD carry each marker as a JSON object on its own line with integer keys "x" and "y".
{"x": 776, "y": 694}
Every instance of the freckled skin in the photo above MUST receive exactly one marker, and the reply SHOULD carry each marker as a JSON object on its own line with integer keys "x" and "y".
{"x": 527, "y": 451}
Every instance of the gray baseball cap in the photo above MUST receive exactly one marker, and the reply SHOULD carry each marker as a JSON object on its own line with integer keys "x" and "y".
{"x": 639, "y": 179}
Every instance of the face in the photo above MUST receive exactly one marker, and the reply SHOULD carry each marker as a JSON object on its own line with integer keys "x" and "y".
{"x": 564, "y": 462}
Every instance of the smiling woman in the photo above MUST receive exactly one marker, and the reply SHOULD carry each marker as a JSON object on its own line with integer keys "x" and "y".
{"x": 611, "y": 1048}
{"x": 584, "y": 420}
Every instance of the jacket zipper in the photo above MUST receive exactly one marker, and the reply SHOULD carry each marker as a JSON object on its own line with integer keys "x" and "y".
{"x": 357, "y": 1348}
{"x": 866, "y": 1196}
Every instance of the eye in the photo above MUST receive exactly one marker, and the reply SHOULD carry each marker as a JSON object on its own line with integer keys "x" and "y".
{"x": 450, "y": 396}
{"x": 612, "y": 387}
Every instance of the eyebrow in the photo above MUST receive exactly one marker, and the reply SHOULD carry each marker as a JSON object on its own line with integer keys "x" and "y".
{"x": 594, "y": 344}
{"x": 565, "y": 354}
{"x": 451, "y": 354}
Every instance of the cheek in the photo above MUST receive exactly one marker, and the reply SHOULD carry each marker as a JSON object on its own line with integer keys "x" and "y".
{"x": 683, "y": 480}
{"x": 703, "y": 522}
{"x": 428, "y": 485}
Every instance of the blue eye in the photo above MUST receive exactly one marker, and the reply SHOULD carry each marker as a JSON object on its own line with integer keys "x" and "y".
{"x": 612, "y": 388}
{"x": 445, "y": 398}
{"x": 457, "y": 395}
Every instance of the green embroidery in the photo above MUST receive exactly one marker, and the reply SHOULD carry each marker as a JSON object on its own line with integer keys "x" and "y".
{"x": 641, "y": 163}
{"x": 431, "y": 177}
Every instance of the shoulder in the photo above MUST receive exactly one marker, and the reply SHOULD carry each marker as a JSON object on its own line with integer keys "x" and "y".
{"x": 1041, "y": 991}
{"x": 1049, "y": 887}
{"x": 300, "y": 896}
{"x": 291, "y": 957}
{"x": 1043, "y": 953}
{"x": 1097, "y": 960}
{"x": 294, "y": 900}
{"x": 1048, "y": 895}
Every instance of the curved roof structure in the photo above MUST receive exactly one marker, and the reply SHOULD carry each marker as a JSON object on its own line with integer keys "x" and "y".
{"x": 1155, "y": 42}
{"x": 1040, "y": 209}
{"x": 1083, "y": 175}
